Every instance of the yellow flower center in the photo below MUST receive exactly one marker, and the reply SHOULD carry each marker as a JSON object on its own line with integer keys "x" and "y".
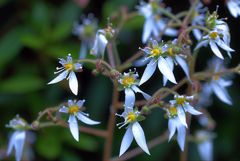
{"x": 181, "y": 100}
{"x": 128, "y": 81}
{"x": 173, "y": 111}
{"x": 156, "y": 52}
{"x": 213, "y": 35}
{"x": 216, "y": 77}
{"x": 73, "y": 109}
{"x": 170, "y": 52}
{"x": 131, "y": 117}
{"x": 68, "y": 66}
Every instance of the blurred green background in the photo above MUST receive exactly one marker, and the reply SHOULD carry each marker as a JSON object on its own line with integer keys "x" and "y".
{"x": 33, "y": 34}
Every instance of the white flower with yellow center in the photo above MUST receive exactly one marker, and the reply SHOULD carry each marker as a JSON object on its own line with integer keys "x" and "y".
{"x": 174, "y": 123}
{"x": 215, "y": 39}
{"x": 101, "y": 41}
{"x": 18, "y": 137}
{"x": 68, "y": 70}
{"x": 134, "y": 130}
{"x": 130, "y": 84}
{"x": 217, "y": 84}
{"x": 74, "y": 109}
{"x": 156, "y": 54}
{"x": 234, "y": 7}
{"x": 153, "y": 24}
{"x": 86, "y": 32}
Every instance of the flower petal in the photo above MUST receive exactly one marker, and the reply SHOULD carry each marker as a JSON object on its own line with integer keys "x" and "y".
{"x": 191, "y": 110}
{"x": 166, "y": 70}
{"x": 80, "y": 103}
{"x": 129, "y": 97}
{"x": 205, "y": 150}
{"x": 126, "y": 141}
{"x": 86, "y": 120}
{"x": 19, "y": 143}
{"x": 73, "y": 83}
{"x": 147, "y": 29}
{"x": 63, "y": 109}
{"x": 184, "y": 65}
{"x": 181, "y": 136}
{"x": 171, "y": 128}
{"x": 148, "y": 72}
{"x": 11, "y": 143}
{"x": 171, "y": 65}
{"x": 139, "y": 136}
{"x": 181, "y": 115}
{"x": 59, "y": 78}
{"x": 215, "y": 49}
{"x": 73, "y": 125}
{"x": 224, "y": 46}
{"x": 221, "y": 93}
{"x": 137, "y": 90}
{"x": 200, "y": 44}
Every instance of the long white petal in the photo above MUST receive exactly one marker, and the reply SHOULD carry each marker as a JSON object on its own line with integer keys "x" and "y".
{"x": 182, "y": 116}
{"x": 147, "y": 29}
{"x": 221, "y": 93}
{"x": 86, "y": 120}
{"x": 171, "y": 65}
{"x": 197, "y": 33}
{"x": 205, "y": 150}
{"x": 191, "y": 110}
{"x": 73, "y": 83}
{"x": 59, "y": 78}
{"x": 73, "y": 125}
{"x": 19, "y": 143}
{"x": 137, "y": 90}
{"x": 183, "y": 64}
{"x": 166, "y": 70}
{"x": 129, "y": 97}
{"x": 171, "y": 128}
{"x": 224, "y": 46}
{"x": 215, "y": 50}
{"x": 11, "y": 143}
{"x": 148, "y": 72}
{"x": 139, "y": 136}
{"x": 126, "y": 141}
{"x": 181, "y": 136}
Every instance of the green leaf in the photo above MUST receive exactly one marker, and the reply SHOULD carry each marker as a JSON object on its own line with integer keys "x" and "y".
{"x": 19, "y": 84}
{"x": 48, "y": 145}
{"x": 32, "y": 41}
{"x": 10, "y": 46}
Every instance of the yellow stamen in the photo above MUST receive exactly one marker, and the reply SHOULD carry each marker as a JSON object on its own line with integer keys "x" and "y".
{"x": 173, "y": 111}
{"x": 73, "y": 109}
{"x": 216, "y": 77}
{"x": 156, "y": 52}
{"x": 181, "y": 100}
{"x": 128, "y": 81}
{"x": 170, "y": 51}
{"x": 68, "y": 66}
{"x": 131, "y": 117}
{"x": 213, "y": 35}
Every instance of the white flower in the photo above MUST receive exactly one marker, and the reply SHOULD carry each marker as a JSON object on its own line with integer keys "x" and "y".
{"x": 18, "y": 137}
{"x": 74, "y": 109}
{"x": 234, "y": 7}
{"x": 214, "y": 39}
{"x": 130, "y": 83}
{"x": 177, "y": 117}
{"x": 67, "y": 71}
{"x": 217, "y": 85}
{"x": 205, "y": 144}
{"x": 153, "y": 24}
{"x": 174, "y": 123}
{"x": 174, "y": 57}
{"x": 86, "y": 33}
{"x": 156, "y": 54}
{"x": 134, "y": 130}
{"x": 101, "y": 41}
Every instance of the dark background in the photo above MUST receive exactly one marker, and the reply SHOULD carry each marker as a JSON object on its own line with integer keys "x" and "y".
{"x": 33, "y": 34}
